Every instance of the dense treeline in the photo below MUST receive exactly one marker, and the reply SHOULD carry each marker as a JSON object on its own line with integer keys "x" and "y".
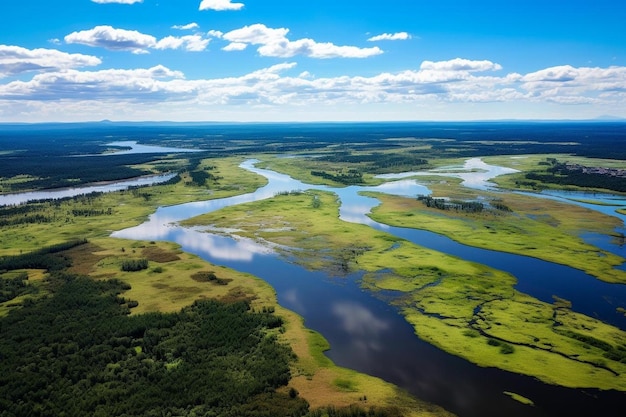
{"x": 443, "y": 204}
{"x": 200, "y": 177}
{"x": 349, "y": 177}
{"x": 78, "y": 353}
{"x": 11, "y": 287}
{"x": 133, "y": 265}
{"x": 562, "y": 174}
{"x": 55, "y": 172}
{"x": 48, "y": 258}
{"x": 379, "y": 162}
{"x": 464, "y": 206}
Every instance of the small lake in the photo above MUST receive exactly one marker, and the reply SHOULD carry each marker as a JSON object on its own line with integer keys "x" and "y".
{"x": 370, "y": 336}
{"x": 134, "y": 148}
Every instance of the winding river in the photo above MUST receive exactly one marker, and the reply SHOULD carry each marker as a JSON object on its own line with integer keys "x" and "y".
{"x": 364, "y": 331}
{"x": 368, "y": 335}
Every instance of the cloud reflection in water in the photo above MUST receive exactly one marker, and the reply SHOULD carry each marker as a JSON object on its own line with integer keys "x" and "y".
{"x": 364, "y": 329}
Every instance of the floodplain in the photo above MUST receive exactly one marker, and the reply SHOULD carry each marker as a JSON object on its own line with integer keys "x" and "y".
{"x": 464, "y": 308}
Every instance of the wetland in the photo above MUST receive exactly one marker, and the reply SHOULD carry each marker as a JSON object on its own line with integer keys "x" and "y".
{"x": 511, "y": 308}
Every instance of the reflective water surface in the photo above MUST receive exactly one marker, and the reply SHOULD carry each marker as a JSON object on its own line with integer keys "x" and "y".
{"x": 58, "y": 193}
{"x": 370, "y": 336}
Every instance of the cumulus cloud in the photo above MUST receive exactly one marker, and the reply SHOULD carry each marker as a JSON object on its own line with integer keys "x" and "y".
{"x": 112, "y": 38}
{"x": 448, "y": 82}
{"x": 567, "y": 84}
{"x": 15, "y": 60}
{"x": 459, "y": 64}
{"x": 193, "y": 43}
{"x": 117, "y": 1}
{"x": 133, "y": 41}
{"x": 273, "y": 42}
{"x": 215, "y": 33}
{"x": 235, "y": 46}
{"x": 111, "y": 83}
{"x": 399, "y": 36}
{"x": 220, "y": 5}
{"x": 188, "y": 26}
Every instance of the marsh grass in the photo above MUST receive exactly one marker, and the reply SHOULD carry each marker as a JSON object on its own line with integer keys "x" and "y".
{"x": 545, "y": 229}
{"x": 452, "y": 303}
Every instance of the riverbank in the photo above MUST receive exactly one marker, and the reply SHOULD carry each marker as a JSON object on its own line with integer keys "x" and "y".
{"x": 175, "y": 279}
{"x": 464, "y": 308}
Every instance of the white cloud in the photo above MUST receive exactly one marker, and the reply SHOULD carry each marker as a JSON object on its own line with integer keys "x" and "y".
{"x": 215, "y": 33}
{"x": 459, "y": 64}
{"x": 235, "y": 46}
{"x": 112, "y": 38}
{"x": 117, "y": 1}
{"x": 192, "y": 43}
{"x": 256, "y": 34}
{"x": 112, "y": 83}
{"x": 188, "y": 26}
{"x": 274, "y": 43}
{"x": 220, "y": 5}
{"x": 15, "y": 60}
{"x": 133, "y": 41}
{"x": 443, "y": 85}
{"x": 399, "y": 36}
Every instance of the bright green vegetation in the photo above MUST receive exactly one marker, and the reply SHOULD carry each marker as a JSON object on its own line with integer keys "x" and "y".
{"x": 39, "y": 224}
{"x": 519, "y": 398}
{"x": 466, "y": 309}
{"x": 535, "y": 227}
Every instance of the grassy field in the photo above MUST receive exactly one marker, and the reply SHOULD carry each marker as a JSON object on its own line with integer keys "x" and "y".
{"x": 465, "y": 308}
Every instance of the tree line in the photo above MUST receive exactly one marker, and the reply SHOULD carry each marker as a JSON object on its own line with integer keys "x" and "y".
{"x": 76, "y": 351}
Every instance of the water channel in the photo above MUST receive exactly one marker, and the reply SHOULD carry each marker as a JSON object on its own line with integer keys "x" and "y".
{"x": 368, "y": 335}
{"x": 365, "y": 332}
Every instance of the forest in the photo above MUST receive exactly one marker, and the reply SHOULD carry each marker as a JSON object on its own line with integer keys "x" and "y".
{"x": 77, "y": 351}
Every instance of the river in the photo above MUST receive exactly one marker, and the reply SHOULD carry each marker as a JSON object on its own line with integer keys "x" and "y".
{"x": 368, "y": 335}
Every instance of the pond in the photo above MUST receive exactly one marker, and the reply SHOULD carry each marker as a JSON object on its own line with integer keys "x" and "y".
{"x": 368, "y": 335}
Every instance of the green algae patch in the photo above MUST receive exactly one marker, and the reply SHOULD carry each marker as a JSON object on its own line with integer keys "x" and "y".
{"x": 465, "y": 308}
{"x": 519, "y": 398}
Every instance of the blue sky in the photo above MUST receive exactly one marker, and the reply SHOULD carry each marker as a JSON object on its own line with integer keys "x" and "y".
{"x": 279, "y": 60}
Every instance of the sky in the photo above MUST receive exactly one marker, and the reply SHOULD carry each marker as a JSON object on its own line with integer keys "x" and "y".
{"x": 323, "y": 60}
